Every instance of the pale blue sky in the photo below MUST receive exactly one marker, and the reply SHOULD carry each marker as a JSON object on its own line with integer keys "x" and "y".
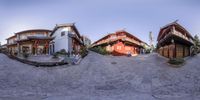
{"x": 96, "y": 18}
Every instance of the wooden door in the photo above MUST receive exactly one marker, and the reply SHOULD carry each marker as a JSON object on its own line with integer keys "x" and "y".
{"x": 179, "y": 51}
{"x": 166, "y": 51}
{"x": 186, "y": 51}
{"x": 171, "y": 51}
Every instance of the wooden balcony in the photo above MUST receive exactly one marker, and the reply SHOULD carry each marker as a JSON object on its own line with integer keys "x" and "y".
{"x": 123, "y": 38}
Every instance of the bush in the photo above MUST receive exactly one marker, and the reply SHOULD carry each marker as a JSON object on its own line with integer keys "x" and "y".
{"x": 15, "y": 54}
{"x": 147, "y": 51}
{"x": 25, "y": 55}
{"x": 55, "y": 55}
{"x": 83, "y": 52}
{"x": 100, "y": 50}
{"x": 63, "y": 52}
{"x": 176, "y": 61}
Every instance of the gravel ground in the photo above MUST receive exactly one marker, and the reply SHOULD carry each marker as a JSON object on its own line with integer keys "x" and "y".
{"x": 145, "y": 77}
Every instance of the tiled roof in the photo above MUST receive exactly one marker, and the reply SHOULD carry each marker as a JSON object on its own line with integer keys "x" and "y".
{"x": 34, "y": 30}
{"x": 72, "y": 25}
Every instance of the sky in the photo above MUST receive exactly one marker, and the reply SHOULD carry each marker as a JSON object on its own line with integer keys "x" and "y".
{"x": 97, "y": 18}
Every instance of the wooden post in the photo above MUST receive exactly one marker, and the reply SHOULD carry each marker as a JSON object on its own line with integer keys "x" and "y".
{"x": 35, "y": 45}
{"x": 46, "y": 46}
{"x": 168, "y": 50}
{"x": 174, "y": 50}
{"x": 183, "y": 51}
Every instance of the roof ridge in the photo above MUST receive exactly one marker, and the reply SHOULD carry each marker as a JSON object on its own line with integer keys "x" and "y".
{"x": 65, "y": 24}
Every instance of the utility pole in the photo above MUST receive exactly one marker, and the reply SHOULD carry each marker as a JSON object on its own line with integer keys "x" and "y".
{"x": 151, "y": 40}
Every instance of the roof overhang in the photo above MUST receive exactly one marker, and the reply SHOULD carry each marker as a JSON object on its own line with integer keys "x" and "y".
{"x": 168, "y": 40}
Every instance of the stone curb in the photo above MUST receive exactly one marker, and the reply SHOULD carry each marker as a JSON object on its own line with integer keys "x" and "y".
{"x": 37, "y": 64}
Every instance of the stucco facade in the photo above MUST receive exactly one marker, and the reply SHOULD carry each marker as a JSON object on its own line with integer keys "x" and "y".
{"x": 120, "y": 43}
{"x": 67, "y": 37}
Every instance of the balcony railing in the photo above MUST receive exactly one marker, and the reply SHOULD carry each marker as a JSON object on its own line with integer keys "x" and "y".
{"x": 179, "y": 35}
{"x": 117, "y": 38}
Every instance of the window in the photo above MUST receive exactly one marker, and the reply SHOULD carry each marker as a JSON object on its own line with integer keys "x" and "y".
{"x": 63, "y": 33}
{"x": 38, "y": 34}
{"x": 118, "y": 47}
{"x": 113, "y": 37}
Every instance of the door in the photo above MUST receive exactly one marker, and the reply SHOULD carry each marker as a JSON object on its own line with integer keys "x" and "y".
{"x": 179, "y": 51}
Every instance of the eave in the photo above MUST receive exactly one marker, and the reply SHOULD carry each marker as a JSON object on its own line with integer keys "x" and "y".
{"x": 177, "y": 39}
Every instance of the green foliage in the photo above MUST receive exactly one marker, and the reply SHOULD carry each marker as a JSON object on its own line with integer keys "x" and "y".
{"x": 100, "y": 50}
{"x": 147, "y": 51}
{"x": 25, "y": 55}
{"x": 196, "y": 46}
{"x": 196, "y": 40}
{"x": 83, "y": 52}
{"x": 176, "y": 61}
{"x": 55, "y": 55}
{"x": 63, "y": 52}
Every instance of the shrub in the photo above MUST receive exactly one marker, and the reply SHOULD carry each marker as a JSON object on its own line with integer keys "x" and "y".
{"x": 25, "y": 55}
{"x": 147, "y": 51}
{"x": 83, "y": 52}
{"x": 15, "y": 54}
{"x": 63, "y": 52}
{"x": 55, "y": 55}
{"x": 176, "y": 61}
{"x": 100, "y": 50}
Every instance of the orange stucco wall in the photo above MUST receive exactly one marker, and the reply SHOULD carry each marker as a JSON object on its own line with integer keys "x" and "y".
{"x": 120, "y": 49}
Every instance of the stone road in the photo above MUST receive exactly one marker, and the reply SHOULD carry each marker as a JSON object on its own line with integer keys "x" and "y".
{"x": 145, "y": 77}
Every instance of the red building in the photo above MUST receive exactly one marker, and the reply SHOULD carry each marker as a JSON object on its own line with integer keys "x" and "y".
{"x": 120, "y": 43}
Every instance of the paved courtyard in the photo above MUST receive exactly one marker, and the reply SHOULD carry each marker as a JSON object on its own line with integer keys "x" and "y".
{"x": 145, "y": 77}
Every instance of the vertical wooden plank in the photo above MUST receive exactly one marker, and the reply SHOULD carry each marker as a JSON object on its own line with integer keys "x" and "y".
{"x": 167, "y": 51}
{"x": 184, "y": 51}
{"x": 174, "y": 50}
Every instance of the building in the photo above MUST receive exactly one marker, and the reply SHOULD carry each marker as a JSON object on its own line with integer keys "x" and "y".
{"x": 174, "y": 41}
{"x": 86, "y": 41}
{"x": 34, "y": 42}
{"x": 120, "y": 43}
{"x": 12, "y": 44}
{"x": 67, "y": 37}
{"x": 3, "y": 48}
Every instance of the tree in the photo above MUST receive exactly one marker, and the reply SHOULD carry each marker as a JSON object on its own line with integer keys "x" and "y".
{"x": 196, "y": 46}
{"x": 196, "y": 40}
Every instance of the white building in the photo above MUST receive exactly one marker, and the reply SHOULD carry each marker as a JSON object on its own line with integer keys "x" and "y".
{"x": 67, "y": 37}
